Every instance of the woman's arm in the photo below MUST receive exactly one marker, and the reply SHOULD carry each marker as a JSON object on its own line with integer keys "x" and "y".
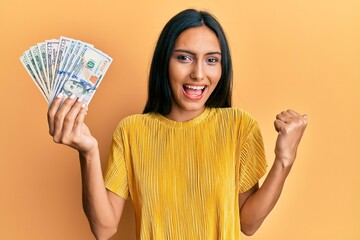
{"x": 102, "y": 207}
{"x": 66, "y": 125}
{"x": 256, "y": 203}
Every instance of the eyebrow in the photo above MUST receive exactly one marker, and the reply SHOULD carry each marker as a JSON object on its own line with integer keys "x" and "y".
{"x": 192, "y": 53}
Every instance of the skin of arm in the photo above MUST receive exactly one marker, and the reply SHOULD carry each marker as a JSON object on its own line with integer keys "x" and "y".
{"x": 66, "y": 125}
{"x": 256, "y": 203}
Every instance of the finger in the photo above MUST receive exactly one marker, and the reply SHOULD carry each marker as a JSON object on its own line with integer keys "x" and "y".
{"x": 79, "y": 121}
{"x": 279, "y": 126}
{"x": 284, "y": 116}
{"x": 60, "y": 115}
{"x": 305, "y": 117}
{"x": 54, "y": 106}
{"x": 288, "y": 116}
{"x": 297, "y": 118}
{"x": 293, "y": 113}
{"x": 69, "y": 120}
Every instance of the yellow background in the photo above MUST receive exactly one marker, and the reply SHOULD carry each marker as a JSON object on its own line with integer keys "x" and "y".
{"x": 303, "y": 55}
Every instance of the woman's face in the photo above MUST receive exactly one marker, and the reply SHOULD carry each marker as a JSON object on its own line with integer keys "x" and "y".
{"x": 194, "y": 72}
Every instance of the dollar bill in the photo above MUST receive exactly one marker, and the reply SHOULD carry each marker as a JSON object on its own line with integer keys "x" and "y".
{"x": 66, "y": 69}
{"x": 39, "y": 66}
{"x": 29, "y": 69}
{"x": 66, "y": 56}
{"x": 78, "y": 55}
{"x": 33, "y": 67}
{"x": 51, "y": 52}
{"x": 42, "y": 50}
{"x": 44, "y": 60}
{"x": 66, "y": 66}
{"x": 87, "y": 74}
{"x": 64, "y": 44}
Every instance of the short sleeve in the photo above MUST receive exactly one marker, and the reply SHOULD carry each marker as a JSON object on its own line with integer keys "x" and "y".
{"x": 116, "y": 177}
{"x": 252, "y": 157}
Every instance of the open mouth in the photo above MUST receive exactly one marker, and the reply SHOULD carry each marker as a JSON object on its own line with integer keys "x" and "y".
{"x": 194, "y": 91}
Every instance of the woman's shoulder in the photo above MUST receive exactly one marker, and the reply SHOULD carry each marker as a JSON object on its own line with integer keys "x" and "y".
{"x": 234, "y": 113}
{"x": 238, "y": 119}
{"x": 133, "y": 120}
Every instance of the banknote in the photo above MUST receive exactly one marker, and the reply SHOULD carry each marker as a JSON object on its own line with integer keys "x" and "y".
{"x": 62, "y": 76}
{"x": 51, "y": 52}
{"x": 42, "y": 51}
{"x": 66, "y": 65}
{"x": 66, "y": 61}
{"x": 29, "y": 69}
{"x": 64, "y": 43}
{"x": 86, "y": 75}
{"x": 29, "y": 56}
{"x": 39, "y": 66}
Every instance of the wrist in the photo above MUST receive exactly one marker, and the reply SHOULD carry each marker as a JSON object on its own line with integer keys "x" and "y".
{"x": 89, "y": 153}
{"x": 283, "y": 164}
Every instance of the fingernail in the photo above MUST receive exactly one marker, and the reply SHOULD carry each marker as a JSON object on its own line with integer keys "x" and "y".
{"x": 81, "y": 98}
{"x": 60, "y": 95}
{"x": 72, "y": 96}
{"x": 84, "y": 105}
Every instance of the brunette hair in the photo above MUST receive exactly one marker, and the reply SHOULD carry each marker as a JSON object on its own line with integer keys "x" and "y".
{"x": 159, "y": 91}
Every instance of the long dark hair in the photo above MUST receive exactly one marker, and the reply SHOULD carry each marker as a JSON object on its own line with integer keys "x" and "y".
{"x": 159, "y": 91}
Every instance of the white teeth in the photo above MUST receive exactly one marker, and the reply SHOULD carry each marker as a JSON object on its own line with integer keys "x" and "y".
{"x": 195, "y": 87}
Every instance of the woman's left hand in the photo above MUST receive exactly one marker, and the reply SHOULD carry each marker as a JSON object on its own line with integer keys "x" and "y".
{"x": 290, "y": 126}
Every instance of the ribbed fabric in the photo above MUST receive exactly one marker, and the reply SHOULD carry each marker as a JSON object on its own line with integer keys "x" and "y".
{"x": 184, "y": 178}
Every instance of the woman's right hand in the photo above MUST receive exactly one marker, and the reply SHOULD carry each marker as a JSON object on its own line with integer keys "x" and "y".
{"x": 66, "y": 124}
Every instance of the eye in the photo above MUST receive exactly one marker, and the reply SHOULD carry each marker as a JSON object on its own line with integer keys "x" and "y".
{"x": 212, "y": 60}
{"x": 183, "y": 58}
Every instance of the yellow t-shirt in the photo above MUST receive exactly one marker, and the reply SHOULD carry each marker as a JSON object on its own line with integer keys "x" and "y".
{"x": 184, "y": 178}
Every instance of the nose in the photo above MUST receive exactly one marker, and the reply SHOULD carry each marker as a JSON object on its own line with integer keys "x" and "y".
{"x": 197, "y": 72}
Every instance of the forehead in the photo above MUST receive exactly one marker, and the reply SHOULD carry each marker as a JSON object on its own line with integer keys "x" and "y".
{"x": 198, "y": 39}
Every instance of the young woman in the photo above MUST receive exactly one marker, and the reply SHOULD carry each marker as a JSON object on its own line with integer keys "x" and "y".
{"x": 190, "y": 163}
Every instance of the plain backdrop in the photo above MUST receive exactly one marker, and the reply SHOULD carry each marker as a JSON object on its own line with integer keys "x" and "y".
{"x": 303, "y": 55}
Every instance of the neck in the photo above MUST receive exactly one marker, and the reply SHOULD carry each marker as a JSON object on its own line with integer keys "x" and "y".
{"x": 184, "y": 115}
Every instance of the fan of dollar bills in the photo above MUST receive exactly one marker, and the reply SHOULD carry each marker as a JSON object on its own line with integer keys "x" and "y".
{"x": 66, "y": 65}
